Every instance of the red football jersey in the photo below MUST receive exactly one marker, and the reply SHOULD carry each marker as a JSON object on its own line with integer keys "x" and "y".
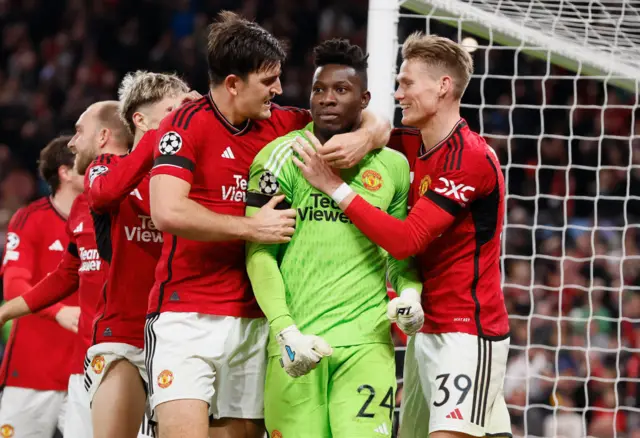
{"x": 38, "y": 351}
{"x": 80, "y": 269}
{"x": 461, "y": 267}
{"x": 197, "y": 144}
{"x": 127, "y": 239}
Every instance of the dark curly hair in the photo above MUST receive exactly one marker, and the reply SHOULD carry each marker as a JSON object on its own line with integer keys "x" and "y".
{"x": 342, "y": 52}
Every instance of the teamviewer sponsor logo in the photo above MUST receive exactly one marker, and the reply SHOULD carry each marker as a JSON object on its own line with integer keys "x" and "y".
{"x": 90, "y": 260}
{"x": 237, "y": 192}
{"x": 322, "y": 209}
{"x": 146, "y": 232}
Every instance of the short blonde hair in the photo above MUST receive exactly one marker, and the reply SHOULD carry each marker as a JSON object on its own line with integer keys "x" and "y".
{"x": 142, "y": 88}
{"x": 440, "y": 52}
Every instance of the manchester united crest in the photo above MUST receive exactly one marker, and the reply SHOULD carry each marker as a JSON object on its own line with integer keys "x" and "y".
{"x": 372, "y": 180}
{"x": 6, "y": 431}
{"x": 424, "y": 185}
{"x": 97, "y": 364}
{"x": 276, "y": 434}
{"x": 165, "y": 379}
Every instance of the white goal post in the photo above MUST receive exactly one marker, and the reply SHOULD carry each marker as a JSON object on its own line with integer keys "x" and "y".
{"x": 555, "y": 92}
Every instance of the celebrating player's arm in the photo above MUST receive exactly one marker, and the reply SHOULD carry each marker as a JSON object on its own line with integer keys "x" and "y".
{"x": 173, "y": 211}
{"x": 56, "y": 286}
{"x": 431, "y": 215}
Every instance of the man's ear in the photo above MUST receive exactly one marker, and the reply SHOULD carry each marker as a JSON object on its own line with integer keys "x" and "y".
{"x": 140, "y": 121}
{"x": 231, "y": 83}
{"x": 446, "y": 86}
{"x": 365, "y": 99}
{"x": 103, "y": 137}
{"x": 64, "y": 173}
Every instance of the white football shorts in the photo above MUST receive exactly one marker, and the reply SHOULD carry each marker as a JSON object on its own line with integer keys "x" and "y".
{"x": 77, "y": 416}
{"x": 218, "y": 359}
{"x": 101, "y": 356}
{"x": 29, "y": 413}
{"x": 456, "y": 381}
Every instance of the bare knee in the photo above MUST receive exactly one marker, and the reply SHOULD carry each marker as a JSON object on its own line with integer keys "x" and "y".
{"x": 183, "y": 419}
{"x": 449, "y": 434}
{"x": 118, "y": 405}
{"x": 237, "y": 428}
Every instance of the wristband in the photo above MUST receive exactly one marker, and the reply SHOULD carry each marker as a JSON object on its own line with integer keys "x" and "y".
{"x": 341, "y": 193}
{"x": 411, "y": 295}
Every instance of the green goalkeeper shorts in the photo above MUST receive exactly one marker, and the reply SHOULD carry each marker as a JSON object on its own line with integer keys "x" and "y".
{"x": 350, "y": 394}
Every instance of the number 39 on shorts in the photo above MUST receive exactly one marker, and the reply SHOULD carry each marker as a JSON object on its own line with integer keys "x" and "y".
{"x": 461, "y": 383}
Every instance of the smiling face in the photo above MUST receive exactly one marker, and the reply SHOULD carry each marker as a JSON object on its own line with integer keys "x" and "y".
{"x": 84, "y": 143}
{"x": 419, "y": 92}
{"x": 254, "y": 94}
{"x": 337, "y": 99}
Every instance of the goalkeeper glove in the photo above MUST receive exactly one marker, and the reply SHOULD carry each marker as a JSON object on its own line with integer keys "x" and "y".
{"x": 300, "y": 353}
{"x": 406, "y": 311}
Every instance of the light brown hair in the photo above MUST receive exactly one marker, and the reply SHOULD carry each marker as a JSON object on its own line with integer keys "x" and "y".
{"x": 142, "y": 87}
{"x": 441, "y": 53}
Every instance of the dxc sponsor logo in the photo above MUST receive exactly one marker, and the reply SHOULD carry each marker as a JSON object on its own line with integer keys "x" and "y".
{"x": 457, "y": 190}
{"x": 146, "y": 232}
{"x": 236, "y": 192}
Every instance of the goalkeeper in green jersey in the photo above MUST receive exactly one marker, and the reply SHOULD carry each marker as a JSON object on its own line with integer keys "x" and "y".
{"x": 324, "y": 293}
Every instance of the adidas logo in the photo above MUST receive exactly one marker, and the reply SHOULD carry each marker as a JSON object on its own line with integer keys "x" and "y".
{"x": 228, "y": 153}
{"x": 174, "y": 297}
{"x": 79, "y": 228}
{"x": 107, "y": 332}
{"x": 136, "y": 193}
{"x": 455, "y": 414}
{"x": 56, "y": 246}
{"x": 382, "y": 429}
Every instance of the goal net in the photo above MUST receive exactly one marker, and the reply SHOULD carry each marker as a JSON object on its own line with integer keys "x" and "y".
{"x": 555, "y": 94}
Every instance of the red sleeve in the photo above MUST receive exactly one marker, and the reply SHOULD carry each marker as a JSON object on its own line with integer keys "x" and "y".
{"x": 288, "y": 118}
{"x": 401, "y": 239}
{"x": 174, "y": 149}
{"x": 19, "y": 259}
{"x": 20, "y": 253}
{"x": 56, "y": 286}
{"x": 111, "y": 181}
{"x": 431, "y": 215}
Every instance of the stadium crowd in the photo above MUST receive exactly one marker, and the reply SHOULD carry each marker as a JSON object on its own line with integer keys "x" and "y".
{"x": 575, "y": 323}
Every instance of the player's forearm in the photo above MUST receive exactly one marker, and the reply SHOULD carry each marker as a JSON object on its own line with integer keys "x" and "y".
{"x": 268, "y": 286}
{"x": 13, "y": 309}
{"x": 403, "y": 275}
{"x": 50, "y": 312}
{"x": 110, "y": 189}
{"x": 377, "y": 127}
{"x": 52, "y": 289}
{"x": 401, "y": 239}
{"x": 190, "y": 220}
{"x": 16, "y": 282}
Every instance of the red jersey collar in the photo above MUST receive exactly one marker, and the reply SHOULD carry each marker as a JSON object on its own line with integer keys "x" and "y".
{"x": 233, "y": 129}
{"x": 449, "y": 138}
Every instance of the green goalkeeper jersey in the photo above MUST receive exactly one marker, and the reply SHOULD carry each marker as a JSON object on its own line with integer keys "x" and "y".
{"x": 330, "y": 279}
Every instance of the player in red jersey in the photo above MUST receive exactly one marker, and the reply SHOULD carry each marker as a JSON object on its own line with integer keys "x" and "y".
{"x": 36, "y": 367}
{"x": 80, "y": 269}
{"x": 454, "y": 370}
{"x": 207, "y": 336}
{"x": 117, "y": 190}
